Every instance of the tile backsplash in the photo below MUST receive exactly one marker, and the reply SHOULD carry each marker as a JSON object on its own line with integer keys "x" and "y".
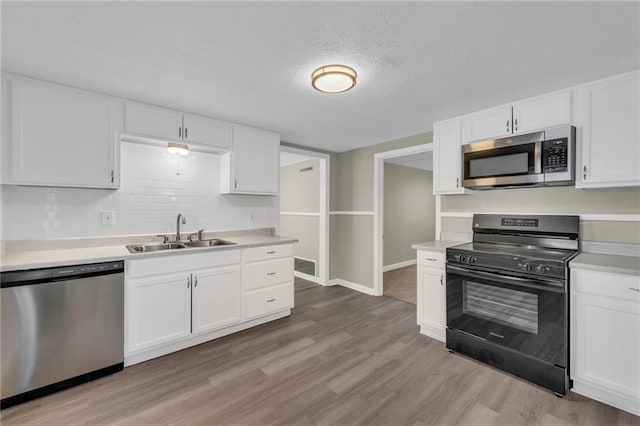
{"x": 154, "y": 187}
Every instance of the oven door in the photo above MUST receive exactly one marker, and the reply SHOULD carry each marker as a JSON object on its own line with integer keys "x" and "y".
{"x": 523, "y": 314}
{"x": 502, "y": 163}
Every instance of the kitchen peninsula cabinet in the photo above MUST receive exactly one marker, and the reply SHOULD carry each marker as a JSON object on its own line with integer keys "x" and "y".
{"x": 252, "y": 166}
{"x": 605, "y": 336}
{"x": 59, "y": 136}
{"x": 608, "y": 122}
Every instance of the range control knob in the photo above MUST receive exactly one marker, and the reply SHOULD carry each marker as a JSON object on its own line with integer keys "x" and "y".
{"x": 541, "y": 269}
{"x": 472, "y": 259}
{"x": 460, "y": 258}
{"x": 525, "y": 266}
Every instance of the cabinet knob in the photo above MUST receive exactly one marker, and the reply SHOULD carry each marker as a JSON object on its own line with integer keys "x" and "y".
{"x": 271, "y": 252}
{"x": 457, "y": 182}
{"x": 584, "y": 173}
{"x": 271, "y": 273}
{"x": 179, "y": 131}
{"x": 235, "y": 183}
{"x": 515, "y": 125}
{"x": 111, "y": 176}
{"x": 271, "y": 300}
{"x": 188, "y": 282}
{"x": 441, "y": 279}
{"x": 634, "y": 289}
{"x": 195, "y": 281}
{"x": 508, "y": 126}
{"x": 185, "y": 133}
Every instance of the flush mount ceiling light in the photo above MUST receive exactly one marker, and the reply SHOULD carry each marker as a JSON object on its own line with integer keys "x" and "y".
{"x": 177, "y": 148}
{"x": 333, "y": 78}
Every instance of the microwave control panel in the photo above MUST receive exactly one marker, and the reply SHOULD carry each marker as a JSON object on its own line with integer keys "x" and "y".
{"x": 555, "y": 155}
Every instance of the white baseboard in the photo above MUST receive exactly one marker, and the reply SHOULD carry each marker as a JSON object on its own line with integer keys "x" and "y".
{"x": 352, "y": 286}
{"x": 399, "y": 265}
{"x": 307, "y": 277}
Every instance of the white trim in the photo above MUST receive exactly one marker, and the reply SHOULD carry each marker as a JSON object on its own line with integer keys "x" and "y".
{"x": 399, "y": 265}
{"x": 352, "y": 213}
{"x": 325, "y": 185}
{"x": 610, "y": 217}
{"x": 438, "y": 227}
{"x": 306, "y": 277}
{"x": 352, "y": 286}
{"x": 299, "y": 214}
{"x": 378, "y": 207}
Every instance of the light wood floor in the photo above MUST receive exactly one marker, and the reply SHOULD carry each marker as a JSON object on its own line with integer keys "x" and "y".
{"x": 401, "y": 284}
{"x": 342, "y": 358}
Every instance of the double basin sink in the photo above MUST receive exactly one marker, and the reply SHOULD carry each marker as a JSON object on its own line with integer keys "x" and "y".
{"x": 146, "y": 248}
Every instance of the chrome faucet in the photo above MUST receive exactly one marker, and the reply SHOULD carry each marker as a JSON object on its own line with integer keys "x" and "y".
{"x": 184, "y": 221}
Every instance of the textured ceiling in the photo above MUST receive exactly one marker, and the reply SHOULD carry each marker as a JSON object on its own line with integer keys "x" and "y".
{"x": 251, "y": 62}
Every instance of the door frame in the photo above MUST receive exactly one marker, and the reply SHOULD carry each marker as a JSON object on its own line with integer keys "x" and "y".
{"x": 378, "y": 208}
{"x": 323, "y": 238}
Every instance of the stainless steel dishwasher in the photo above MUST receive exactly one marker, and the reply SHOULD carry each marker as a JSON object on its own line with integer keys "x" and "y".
{"x": 60, "y": 327}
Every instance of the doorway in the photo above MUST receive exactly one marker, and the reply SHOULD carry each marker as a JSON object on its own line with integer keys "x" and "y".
{"x": 304, "y": 212}
{"x": 405, "y": 212}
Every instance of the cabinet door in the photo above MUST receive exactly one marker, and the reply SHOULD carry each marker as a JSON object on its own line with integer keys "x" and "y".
{"x": 488, "y": 124}
{"x": 151, "y": 122}
{"x": 447, "y": 157}
{"x": 605, "y": 349}
{"x": 62, "y": 137}
{"x": 432, "y": 303}
{"x": 609, "y": 117}
{"x": 254, "y": 162}
{"x": 207, "y": 131}
{"x": 542, "y": 112}
{"x": 158, "y": 310}
{"x": 217, "y": 298}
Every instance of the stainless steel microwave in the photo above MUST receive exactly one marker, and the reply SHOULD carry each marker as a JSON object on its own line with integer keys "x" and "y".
{"x": 545, "y": 158}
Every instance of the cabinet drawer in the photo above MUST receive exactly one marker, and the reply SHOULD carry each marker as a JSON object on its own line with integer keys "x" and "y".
{"x": 431, "y": 259}
{"x": 270, "y": 272}
{"x": 267, "y": 252}
{"x": 267, "y": 300}
{"x": 620, "y": 286}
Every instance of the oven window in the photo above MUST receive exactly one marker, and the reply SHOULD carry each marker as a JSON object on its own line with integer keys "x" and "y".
{"x": 513, "y": 308}
{"x": 500, "y": 165}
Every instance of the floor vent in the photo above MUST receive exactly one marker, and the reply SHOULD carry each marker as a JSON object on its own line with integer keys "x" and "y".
{"x": 305, "y": 266}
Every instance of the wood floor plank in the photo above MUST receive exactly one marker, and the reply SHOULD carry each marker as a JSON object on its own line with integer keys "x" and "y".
{"x": 342, "y": 358}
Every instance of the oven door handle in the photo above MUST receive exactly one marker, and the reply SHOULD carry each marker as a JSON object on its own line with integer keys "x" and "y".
{"x": 521, "y": 282}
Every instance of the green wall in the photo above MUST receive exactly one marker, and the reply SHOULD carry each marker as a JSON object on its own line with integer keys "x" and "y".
{"x": 409, "y": 211}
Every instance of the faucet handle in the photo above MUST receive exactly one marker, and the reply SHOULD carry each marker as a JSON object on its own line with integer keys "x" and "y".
{"x": 198, "y": 234}
{"x": 165, "y": 238}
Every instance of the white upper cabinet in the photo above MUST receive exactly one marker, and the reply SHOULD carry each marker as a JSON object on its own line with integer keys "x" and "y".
{"x": 608, "y": 117}
{"x": 59, "y": 136}
{"x": 150, "y": 122}
{"x": 253, "y": 164}
{"x": 525, "y": 116}
{"x": 542, "y": 112}
{"x": 487, "y": 124}
{"x": 447, "y": 158}
{"x": 206, "y": 131}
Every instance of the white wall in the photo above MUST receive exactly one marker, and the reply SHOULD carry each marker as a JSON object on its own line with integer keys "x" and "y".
{"x": 148, "y": 201}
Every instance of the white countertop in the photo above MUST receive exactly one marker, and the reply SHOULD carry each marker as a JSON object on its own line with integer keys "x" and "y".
{"x": 438, "y": 245}
{"x": 32, "y": 259}
{"x": 629, "y": 265}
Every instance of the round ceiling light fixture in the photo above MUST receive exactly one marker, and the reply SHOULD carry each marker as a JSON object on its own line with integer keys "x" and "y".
{"x": 178, "y": 148}
{"x": 333, "y": 78}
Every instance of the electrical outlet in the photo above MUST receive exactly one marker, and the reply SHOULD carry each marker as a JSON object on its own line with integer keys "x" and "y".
{"x": 108, "y": 218}
{"x": 252, "y": 217}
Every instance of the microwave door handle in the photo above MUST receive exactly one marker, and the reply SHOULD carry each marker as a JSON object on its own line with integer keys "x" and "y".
{"x": 537, "y": 154}
{"x": 521, "y": 282}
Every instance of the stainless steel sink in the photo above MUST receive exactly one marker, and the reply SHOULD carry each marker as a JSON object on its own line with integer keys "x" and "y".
{"x": 208, "y": 243}
{"x": 139, "y": 248}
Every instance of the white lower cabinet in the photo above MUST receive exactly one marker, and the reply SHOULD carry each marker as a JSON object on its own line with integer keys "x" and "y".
{"x": 431, "y": 301}
{"x": 216, "y": 298}
{"x": 176, "y": 301}
{"x": 605, "y": 337}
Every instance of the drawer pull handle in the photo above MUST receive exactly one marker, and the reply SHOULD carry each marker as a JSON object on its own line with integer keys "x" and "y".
{"x": 271, "y": 300}
{"x": 431, "y": 259}
{"x": 271, "y": 273}
{"x": 634, "y": 289}
{"x": 271, "y": 252}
